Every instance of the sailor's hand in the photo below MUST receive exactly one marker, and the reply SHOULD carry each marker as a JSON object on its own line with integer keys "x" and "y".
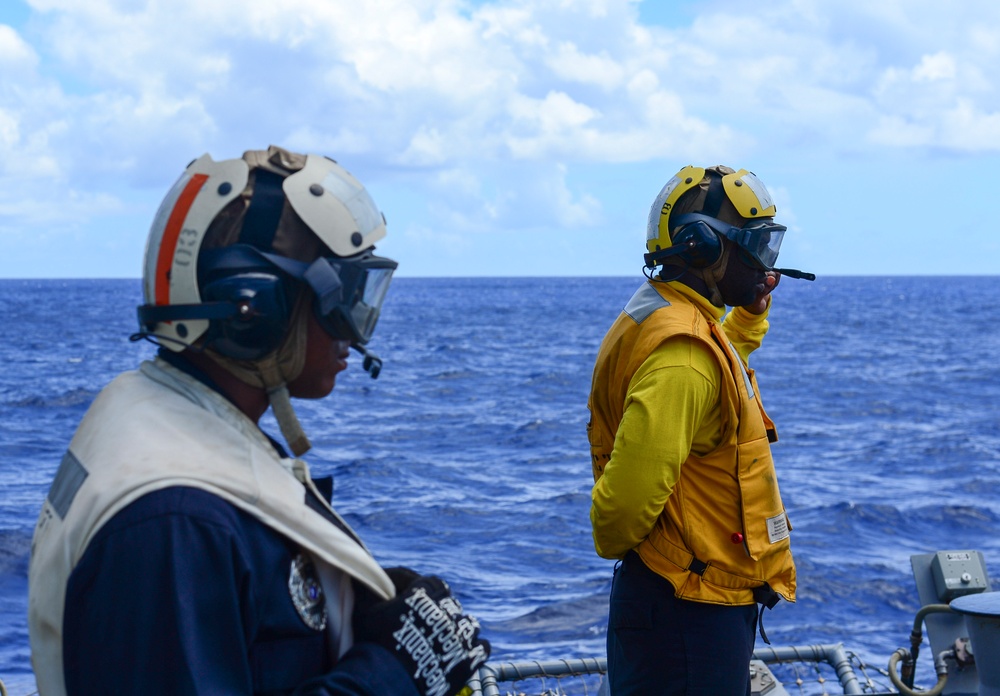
{"x": 424, "y": 627}
{"x": 401, "y": 577}
{"x": 764, "y": 290}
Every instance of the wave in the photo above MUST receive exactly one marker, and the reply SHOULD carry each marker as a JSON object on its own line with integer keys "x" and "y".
{"x": 73, "y": 397}
{"x": 15, "y": 552}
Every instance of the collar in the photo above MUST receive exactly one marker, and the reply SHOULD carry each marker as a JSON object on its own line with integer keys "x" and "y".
{"x": 711, "y": 312}
{"x": 178, "y": 361}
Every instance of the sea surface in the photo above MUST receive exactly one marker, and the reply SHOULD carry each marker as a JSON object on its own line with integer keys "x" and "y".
{"x": 468, "y": 456}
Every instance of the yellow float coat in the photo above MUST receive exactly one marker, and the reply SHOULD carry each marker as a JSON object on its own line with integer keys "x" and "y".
{"x": 680, "y": 449}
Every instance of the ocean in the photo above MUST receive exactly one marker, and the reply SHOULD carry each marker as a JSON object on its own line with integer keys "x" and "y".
{"x": 468, "y": 456}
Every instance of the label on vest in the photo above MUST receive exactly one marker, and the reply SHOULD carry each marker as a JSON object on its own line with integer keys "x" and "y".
{"x": 777, "y": 528}
{"x": 69, "y": 478}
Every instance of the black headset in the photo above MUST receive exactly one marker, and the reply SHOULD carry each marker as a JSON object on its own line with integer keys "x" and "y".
{"x": 247, "y": 300}
{"x": 263, "y": 297}
{"x": 695, "y": 242}
{"x": 246, "y": 297}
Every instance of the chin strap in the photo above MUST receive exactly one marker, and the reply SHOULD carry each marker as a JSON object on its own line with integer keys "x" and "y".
{"x": 713, "y": 274}
{"x": 281, "y": 405}
{"x": 273, "y": 373}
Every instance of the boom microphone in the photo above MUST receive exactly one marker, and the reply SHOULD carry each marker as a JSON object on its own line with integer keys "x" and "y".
{"x": 372, "y": 364}
{"x": 792, "y": 273}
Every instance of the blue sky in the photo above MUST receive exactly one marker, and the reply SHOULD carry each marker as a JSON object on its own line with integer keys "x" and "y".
{"x": 512, "y": 137}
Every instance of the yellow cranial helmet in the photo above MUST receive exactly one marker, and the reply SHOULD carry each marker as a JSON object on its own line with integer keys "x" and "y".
{"x": 726, "y": 199}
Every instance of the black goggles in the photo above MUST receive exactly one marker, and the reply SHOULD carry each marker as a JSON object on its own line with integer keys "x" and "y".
{"x": 348, "y": 291}
{"x": 759, "y": 240}
{"x": 349, "y": 294}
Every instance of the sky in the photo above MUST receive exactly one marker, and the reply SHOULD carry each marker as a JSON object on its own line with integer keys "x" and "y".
{"x": 511, "y": 137}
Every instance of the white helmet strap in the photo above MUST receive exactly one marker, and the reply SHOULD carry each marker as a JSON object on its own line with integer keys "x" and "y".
{"x": 281, "y": 404}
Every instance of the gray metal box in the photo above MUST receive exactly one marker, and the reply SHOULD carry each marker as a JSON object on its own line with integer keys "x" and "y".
{"x": 763, "y": 682}
{"x": 958, "y": 573}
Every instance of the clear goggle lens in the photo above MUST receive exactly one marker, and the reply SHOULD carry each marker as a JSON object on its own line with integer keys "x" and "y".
{"x": 761, "y": 243}
{"x": 366, "y": 310}
{"x": 349, "y": 295}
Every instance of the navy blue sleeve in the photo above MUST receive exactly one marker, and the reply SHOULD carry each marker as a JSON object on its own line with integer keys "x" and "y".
{"x": 183, "y": 593}
{"x": 365, "y": 669}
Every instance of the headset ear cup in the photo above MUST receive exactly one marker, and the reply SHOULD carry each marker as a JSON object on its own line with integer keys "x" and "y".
{"x": 262, "y": 317}
{"x": 705, "y": 245}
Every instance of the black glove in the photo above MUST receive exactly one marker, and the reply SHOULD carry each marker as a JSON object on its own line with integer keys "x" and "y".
{"x": 402, "y": 577}
{"x": 424, "y": 627}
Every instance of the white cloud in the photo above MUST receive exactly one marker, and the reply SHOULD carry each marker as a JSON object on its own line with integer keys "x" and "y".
{"x": 897, "y": 132}
{"x": 15, "y": 53}
{"x": 521, "y": 196}
{"x": 39, "y": 199}
{"x": 944, "y": 100}
{"x": 44, "y": 219}
{"x": 967, "y": 127}
{"x": 552, "y": 124}
{"x": 940, "y": 66}
{"x": 10, "y": 131}
{"x": 570, "y": 63}
{"x": 572, "y": 210}
{"x": 428, "y": 147}
{"x": 488, "y": 109}
{"x": 337, "y": 141}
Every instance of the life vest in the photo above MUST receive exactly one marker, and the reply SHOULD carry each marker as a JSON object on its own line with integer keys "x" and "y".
{"x": 156, "y": 428}
{"x": 723, "y": 531}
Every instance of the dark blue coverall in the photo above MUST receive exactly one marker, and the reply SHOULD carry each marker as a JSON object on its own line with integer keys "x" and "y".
{"x": 183, "y": 593}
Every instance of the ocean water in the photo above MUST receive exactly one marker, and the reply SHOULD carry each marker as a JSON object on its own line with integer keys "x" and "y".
{"x": 468, "y": 456}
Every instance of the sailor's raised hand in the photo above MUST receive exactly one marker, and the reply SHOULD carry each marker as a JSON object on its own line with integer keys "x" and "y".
{"x": 764, "y": 290}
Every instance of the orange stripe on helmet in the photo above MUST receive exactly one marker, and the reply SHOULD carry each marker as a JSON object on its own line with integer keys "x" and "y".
{"x": 172, "y": 233}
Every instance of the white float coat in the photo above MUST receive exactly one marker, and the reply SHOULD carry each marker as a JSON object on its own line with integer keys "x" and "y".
{"x": 156, "y": 428}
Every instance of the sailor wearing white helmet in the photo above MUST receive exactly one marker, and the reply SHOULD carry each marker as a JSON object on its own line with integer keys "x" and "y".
{"x": 181, "y": 550}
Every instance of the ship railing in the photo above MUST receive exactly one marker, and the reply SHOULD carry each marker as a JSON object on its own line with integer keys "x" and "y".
{"x": 551, "y": 672}
{"x": 485, "y": 682}
{"x": 832, "y": 654}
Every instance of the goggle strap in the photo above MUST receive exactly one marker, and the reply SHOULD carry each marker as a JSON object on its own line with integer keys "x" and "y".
{"x": 714, "y": 197}
{"x": 715, "y": 223}
{"x": 319, "y": 275}
{"x": 260, "y": 224}
{"x": 325, "y": 283}
{"x": 741, "y": 236}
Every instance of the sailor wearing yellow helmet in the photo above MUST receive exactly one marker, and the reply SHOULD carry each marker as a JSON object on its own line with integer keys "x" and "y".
{"x": 685, "y": 491}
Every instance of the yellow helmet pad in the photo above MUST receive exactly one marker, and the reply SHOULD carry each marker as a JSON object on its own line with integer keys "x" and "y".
{"x": 657, "y": 227}
{"x": 748, "y": 195}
